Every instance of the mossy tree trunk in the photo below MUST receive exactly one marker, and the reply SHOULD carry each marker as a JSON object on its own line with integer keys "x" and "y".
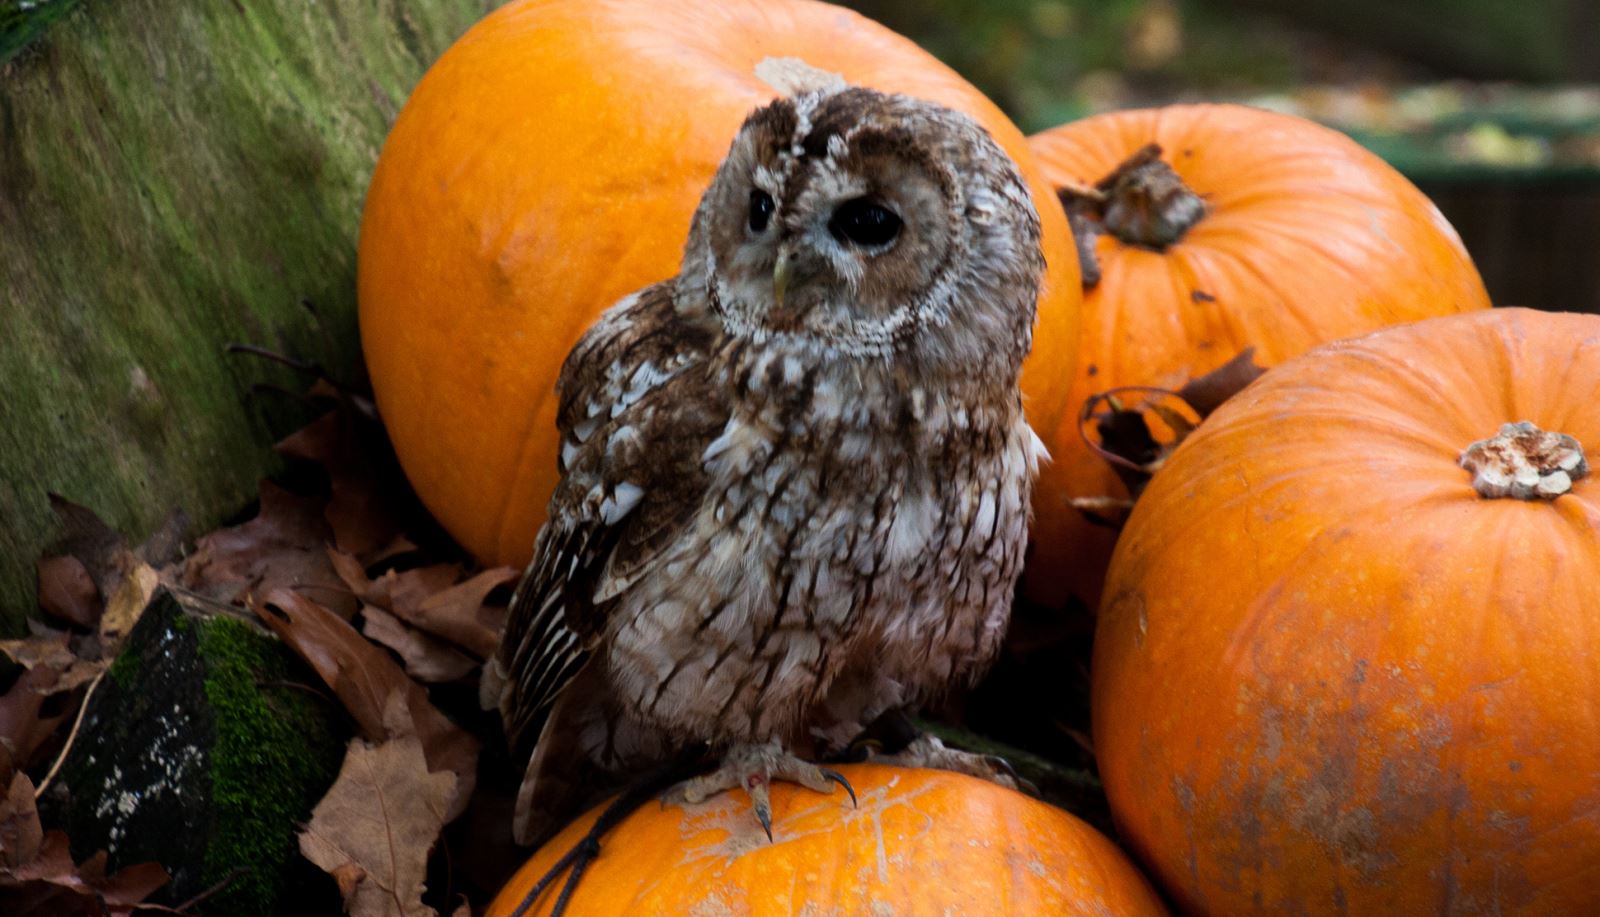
{"x": 175, "y": 176}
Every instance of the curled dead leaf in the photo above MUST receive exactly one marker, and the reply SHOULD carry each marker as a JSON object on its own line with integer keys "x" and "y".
{"x": 67, "y": 592}
{"x": 20, "y": 832}
{"x": 283, "y": 546}
{"x": 25, "y": 723}
{"x": 1208, "y": 392}
{"x": 427, "y": 658}
{"x": 127, "y": 603}
{"x": 1135, "y": 437}
{"x": 50, "y": 883}
{"x": 357, "y": 513}
{"x": 459, "y": 615}
{"x": 367, "y": 681}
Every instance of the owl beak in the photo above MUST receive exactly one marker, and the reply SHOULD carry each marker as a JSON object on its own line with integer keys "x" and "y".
{"x": 781, "y": 272}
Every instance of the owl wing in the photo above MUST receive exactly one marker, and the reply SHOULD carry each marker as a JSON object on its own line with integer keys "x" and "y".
{"x": 636, "y": 412}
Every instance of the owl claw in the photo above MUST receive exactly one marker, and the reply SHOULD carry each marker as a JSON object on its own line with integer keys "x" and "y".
{"x": 838, "y": 778}
{"x": 754, "y": 767}
{"x": 927, "y": 751}
{"x": 763, "y": 813}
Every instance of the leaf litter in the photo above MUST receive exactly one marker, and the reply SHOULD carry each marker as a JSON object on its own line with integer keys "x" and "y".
{"x": 354, "y": 579}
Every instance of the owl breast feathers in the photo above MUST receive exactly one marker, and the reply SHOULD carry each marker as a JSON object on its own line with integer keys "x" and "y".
{"x": 795, "y": 477}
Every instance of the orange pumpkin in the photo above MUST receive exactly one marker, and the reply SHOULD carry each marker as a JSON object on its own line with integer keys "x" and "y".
{"x": 1337, "y": 673}
{"x": 920, "y": 842}
{"x": 1251, "y": 229}
{"x": 547, "y": 165}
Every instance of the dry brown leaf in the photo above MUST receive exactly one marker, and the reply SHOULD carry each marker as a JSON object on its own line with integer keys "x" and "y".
{"x": 427, "y": 658}
{"x": 351, "y": 571}
{"x": 357, "y": 513}
{"x": 20, "y": 832}
{"x": 367, "y": 680}
{"x": 24, "y": 726}
{"x": 429, "y": 598}
{"x": 284, "y": 546}
{"x": 52, "y": 650}
{"x": 375, "y": 827}
{"x": 347, "y": 876}
{"x": 67, "y": 592}
{"x": 49, "y": 649}
{"x": 1207, "y": 393}
{"x": 86, "y": 537}
{"x": 51, "y": 884}
{"x": 406, "y": 589}
{"x": 127, "y": 602}
{"x": 459, "y": 615}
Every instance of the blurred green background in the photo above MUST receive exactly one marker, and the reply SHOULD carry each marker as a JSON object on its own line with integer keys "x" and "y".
{"x": 1491, "y": 106}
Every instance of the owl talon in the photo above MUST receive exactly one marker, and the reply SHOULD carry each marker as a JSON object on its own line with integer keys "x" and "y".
{"x": 928, "y": 751}
{"x": 838, "y": 778}
{"x": 763, "y": 808}
{"x": 755, "y": 767}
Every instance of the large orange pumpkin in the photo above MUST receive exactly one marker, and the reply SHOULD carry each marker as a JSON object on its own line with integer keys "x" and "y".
{"x": 547, "y": 165}
{"x": 1251, "y": 229}
{"x": 1337, "y": 673}
{"x": 920, "y": 842}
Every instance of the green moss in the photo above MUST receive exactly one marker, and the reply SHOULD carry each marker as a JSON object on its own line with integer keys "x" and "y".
{"x": 276, "y": 753}
{"x": 178, "y": 176}
{"x": 125, "y": 670}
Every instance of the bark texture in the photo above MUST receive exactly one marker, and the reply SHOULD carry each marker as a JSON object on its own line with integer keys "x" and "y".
{"x": 175, "y": 176}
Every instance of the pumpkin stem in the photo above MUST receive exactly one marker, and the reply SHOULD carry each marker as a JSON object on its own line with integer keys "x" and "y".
{"x": 1524, "y": 462}
{"x": 1142, "y": 203}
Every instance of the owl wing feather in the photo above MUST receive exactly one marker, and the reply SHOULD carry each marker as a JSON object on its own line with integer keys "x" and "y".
{"x": 636, "y": 412}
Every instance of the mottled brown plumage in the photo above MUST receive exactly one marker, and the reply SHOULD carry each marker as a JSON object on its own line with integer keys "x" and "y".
{"x": 795, "y": 477}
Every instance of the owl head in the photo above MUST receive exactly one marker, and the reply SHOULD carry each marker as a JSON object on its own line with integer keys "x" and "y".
{"x": 870, "y": 226}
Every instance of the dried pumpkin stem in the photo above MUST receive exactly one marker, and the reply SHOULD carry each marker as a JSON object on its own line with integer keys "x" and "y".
{"x": 1525, "y": 463}
{"x": 1143, "y": 202}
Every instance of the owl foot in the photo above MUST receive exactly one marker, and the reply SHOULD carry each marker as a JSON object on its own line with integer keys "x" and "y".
{"x": 927, "y": 751}
{"x": 754, "y": 767}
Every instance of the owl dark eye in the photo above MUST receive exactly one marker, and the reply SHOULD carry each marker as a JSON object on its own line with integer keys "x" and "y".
{"x": 865, "y": 223}
{"x": 761, "y": 208}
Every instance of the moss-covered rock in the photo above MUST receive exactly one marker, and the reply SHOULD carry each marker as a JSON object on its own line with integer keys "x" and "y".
{"x": 204, "y": 750}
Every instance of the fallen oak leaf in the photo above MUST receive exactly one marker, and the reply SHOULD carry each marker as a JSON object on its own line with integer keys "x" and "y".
{"x": 458, "y": 614}
{"x": 427, "y": 658}
{"x": 68, "y": 593}
{"x": 430, "y": 599}
{"x": 47, "y": 649}
{"x": 21, "y": 835}
{"x": 51, "y": 650}
{"x": 347, "y": 876}
{"x": 25, "y": 727}
{"x": 86, "y": 537}
{"x": 51, "y": 884}
{"x": 374, "y": 829}
{"x": 406, "y": 589}
{"x": 358, "y": 515}
{"x": 127, "y": 602}
{"x": 366, "y": 680}
{"x": 283, "y": 546}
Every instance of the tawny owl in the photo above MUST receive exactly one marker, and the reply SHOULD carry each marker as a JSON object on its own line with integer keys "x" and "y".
{"x": 795, "y": 477}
